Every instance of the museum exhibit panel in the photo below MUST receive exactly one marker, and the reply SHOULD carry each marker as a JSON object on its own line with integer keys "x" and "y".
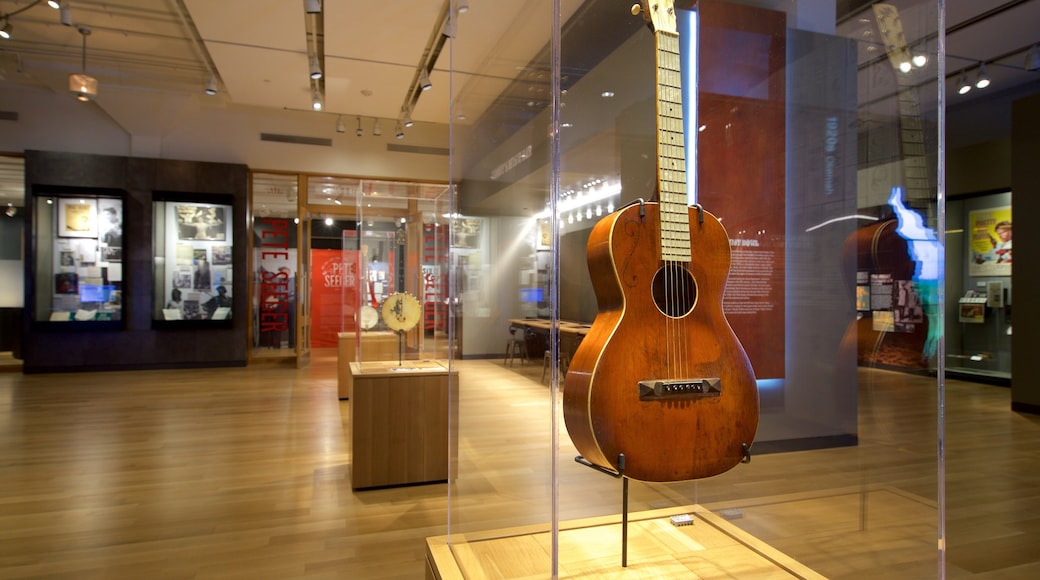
{"x": 78, "y": 237}
{"x": 725, "y": 220}
{"x": 193, "y": 240}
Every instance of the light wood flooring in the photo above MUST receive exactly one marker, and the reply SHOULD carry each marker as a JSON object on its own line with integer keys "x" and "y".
{"x": 244, "y": 473}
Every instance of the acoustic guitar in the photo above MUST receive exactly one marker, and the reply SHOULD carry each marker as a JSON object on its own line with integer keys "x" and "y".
{"x": 661, "y": 378}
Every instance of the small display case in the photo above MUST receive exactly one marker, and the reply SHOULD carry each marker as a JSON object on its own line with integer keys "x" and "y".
{"x": 193, "y": 260}
{"x": 78, "y": 257}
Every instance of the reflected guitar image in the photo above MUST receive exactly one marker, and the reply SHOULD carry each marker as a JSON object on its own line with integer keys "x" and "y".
{"x": 661, "y": 378}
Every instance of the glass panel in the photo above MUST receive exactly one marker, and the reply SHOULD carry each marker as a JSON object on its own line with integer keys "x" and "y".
{"x": 813, "y": 153}
{"x": 402, "y": 255}
{"x": 78, "y": 241}
{"x": 193, "y": 272}
{"x": 12, "y": 257}
{"x": 275, "y": 238}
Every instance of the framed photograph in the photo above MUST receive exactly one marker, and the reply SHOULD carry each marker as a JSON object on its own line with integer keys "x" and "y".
{"x": 201, "y": 222}
{"x": 973, "y": 312}
{"x": 77, "y": 218}
{"x": 112, "y": 254}
{"x": 110, "y": 221}
{"x": 66, "y": 283}
{"x": 221, "y": 255}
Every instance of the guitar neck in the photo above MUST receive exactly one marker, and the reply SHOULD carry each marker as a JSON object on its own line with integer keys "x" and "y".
{"x": 671, "y": 151}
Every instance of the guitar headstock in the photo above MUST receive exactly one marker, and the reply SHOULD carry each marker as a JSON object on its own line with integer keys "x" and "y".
{"x": 659, "y": 14}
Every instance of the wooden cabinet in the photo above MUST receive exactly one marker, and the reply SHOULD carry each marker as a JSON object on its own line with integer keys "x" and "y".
{"x": 375, "y": 346}
{"x": 399, "y": 422}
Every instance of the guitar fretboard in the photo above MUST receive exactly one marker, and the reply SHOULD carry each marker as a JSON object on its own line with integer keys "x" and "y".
{"x": 671, "y": 152}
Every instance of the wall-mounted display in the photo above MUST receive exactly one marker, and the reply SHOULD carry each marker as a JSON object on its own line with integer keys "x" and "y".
{"x": 193, "y": 266}
{"x": 78, "y": 249}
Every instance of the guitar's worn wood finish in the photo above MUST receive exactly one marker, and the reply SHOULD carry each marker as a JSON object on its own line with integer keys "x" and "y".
{"x": 632, "y": 340}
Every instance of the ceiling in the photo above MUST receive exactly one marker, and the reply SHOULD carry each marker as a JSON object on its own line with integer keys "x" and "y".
{"x": 257, "y": 51}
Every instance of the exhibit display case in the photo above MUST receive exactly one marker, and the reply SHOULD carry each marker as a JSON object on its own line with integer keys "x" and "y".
{"x": 78, "y": 256}
{"x": 193, "y": 239}
{"x": 978, "y": 284}
{"x": 727, "y": 217}
{"x": 398, "y": 261}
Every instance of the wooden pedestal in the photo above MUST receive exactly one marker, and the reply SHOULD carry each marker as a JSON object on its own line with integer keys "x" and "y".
{"x": 399, "y": 423}
{"x": 375, "y": 346}
{"x": 711, "y": 547}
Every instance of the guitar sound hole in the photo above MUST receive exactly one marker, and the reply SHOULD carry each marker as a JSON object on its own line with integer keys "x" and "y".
{"x": 675, "y": 290}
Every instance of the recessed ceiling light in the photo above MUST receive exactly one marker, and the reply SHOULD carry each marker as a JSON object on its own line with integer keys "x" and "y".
{"x": 607, "y": 94}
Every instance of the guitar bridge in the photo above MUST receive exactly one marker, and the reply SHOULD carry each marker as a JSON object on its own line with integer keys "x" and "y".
{"x": 678, "y": 389}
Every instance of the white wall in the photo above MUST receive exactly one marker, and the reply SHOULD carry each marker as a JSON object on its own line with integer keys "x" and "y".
{"x": 202, "y": 128}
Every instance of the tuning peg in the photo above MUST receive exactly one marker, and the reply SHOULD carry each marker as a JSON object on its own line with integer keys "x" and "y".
{"x": 636, "y": 9}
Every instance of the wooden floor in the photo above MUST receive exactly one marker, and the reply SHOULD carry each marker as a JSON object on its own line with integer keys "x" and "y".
{"x": 243, "y": 473}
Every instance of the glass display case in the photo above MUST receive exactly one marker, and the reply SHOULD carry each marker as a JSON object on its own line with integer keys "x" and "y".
{"x": 193, "y": 238}
{"x": 399, "y": 253}
{"x": 719, "y": 235}
{"x": 78, "y": 256}
{"x": 978, "y": 276}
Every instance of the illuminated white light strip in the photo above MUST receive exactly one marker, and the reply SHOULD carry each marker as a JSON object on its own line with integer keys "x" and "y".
{"x": 841, "y": 219}
{"x": 575, "y": 201}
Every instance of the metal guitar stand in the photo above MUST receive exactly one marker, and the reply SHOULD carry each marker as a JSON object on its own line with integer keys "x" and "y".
{"x": 619, "y": 474}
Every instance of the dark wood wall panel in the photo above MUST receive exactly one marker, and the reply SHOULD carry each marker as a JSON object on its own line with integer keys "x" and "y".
{"x": 137, "y": 345}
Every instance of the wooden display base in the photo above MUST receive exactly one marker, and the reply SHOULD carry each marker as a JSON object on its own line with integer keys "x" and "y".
{"x": 399, "y": 417}
{"x": 591, "y": 548}
{"x": 375, "y": 345}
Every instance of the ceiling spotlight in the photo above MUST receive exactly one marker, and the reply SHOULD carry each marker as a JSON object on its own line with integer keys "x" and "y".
{"x": 84, "y": 86}
{"x": 1033, "y": 58}
{"x": 328, "y": 221}
{"x": 316, "y": 100}
{"x": 312, "y": 6}
{"x": 904, "y": 62}
{"x": 359, "y": 131}
{"x": 408, "y": 122}
{"x": 211, "y": 86}
{"x": 963, "y": 86}
{"x": 399, "y": 131}
{"x": 341, "y": 127}
{"x": 55, "y": 4}
{"x": 424, "y": 79}
{"x": 5, "y": 29}
{"x": 376, "y": 129}
{"x": 982, "y": 81}
{"x": 11, "y": 210}
{"x": 920, "y": 57}
{"x": 66, "y": 15}
{"x": 463, "y": 6}
{"x": 315, "y": 67}
{"x": 448, "y": 29}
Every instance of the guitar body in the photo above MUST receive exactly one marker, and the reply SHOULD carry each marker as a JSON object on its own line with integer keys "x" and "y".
{"x": 660, "y": 322}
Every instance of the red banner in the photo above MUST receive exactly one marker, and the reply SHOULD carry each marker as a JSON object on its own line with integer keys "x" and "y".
{"x": 334, "y": 283}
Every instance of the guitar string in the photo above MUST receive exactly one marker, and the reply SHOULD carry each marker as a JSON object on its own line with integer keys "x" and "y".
{"x": 676, "y": 268}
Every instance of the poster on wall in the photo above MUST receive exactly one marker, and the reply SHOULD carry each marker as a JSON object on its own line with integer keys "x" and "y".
{"x": 198, "y": 222}
{"x": 77, "y": 218}
{"x": 990, "y": 241}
